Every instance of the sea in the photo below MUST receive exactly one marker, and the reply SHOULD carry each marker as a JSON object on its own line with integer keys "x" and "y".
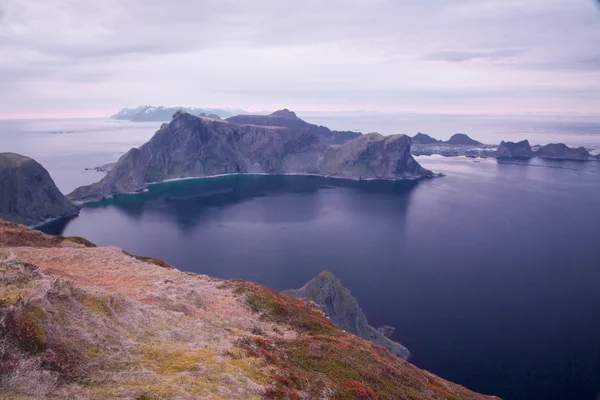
{"x": 490, "y": 274}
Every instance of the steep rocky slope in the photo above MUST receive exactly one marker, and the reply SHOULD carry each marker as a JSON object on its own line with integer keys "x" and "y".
{"x": 192, "y": 146}
{"x": 79, "y": 321}
{"x": 28, "y": 194}
{"x": 343, "y": 310}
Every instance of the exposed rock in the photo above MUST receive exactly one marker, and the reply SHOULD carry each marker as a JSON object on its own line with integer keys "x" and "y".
{"x": 213, "y": 116}
{"x": 342, "y": 309}
{"x": 521, "y": 149}
{"x": 462, "y": 140}
{"x": 561, "y": 151}
{"x": 79, "y": 322}
{"x": 192, "y": 146}
{"x": 387, "y": 330}
{"x": 421, "y": 138}
{"x": 28, "y": 194}
{"x": 288, "y": 119}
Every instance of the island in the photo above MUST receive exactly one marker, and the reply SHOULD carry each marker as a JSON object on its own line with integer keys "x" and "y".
{"x": 462, "y": 145}
{"x": 162, "y": 113}
{"x": 281, "y": 143}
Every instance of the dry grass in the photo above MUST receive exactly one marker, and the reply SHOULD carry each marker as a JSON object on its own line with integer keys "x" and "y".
{"x": 85, "y": 322}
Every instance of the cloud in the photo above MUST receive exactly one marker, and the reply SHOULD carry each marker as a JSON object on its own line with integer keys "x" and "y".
{"x": 96, "y": 56}
{"x": 463, "y": 56}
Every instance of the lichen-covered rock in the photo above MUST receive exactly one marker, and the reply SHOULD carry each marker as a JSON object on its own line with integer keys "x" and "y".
{"x": 28, "y": 194}
{"x": 342, "y": 308}
{"x": 193, "y": 146}
{"x": 521, "y": 149}
{"x": 560, "y": 151}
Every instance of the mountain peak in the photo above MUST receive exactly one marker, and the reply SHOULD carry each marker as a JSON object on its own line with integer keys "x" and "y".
{"x": 285, "y": 113}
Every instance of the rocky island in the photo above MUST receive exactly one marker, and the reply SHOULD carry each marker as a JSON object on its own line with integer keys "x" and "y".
{"x": 462, "y": 145}
{"x": 280, "y": 143}
{"x": 342, "y": 309}
{"x": 28, "y": 194}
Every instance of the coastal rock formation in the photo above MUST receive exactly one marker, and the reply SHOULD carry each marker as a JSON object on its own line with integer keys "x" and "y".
{"x": 28, "y": 194}
{"x": 288, "y": 119}
{"x": 192, "y": 146}
{"x": 421, "y": 138}
{"x": 561, "y": 151}
{"x": 161, "y": 113}
{"x": 342, "y": 309}
{"x": 521, "y": 149}
{"x": 462, "y": 140}
{"x": 85, "y": 322}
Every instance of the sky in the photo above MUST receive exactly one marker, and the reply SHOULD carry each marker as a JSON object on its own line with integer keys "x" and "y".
{"x": 84, "y": 58}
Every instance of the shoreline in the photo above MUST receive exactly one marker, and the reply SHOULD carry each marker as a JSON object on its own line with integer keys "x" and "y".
{"x": 146, "y": 189}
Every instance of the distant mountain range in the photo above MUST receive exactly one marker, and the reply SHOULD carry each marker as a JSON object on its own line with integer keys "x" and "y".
{"x": 161, "y": 113}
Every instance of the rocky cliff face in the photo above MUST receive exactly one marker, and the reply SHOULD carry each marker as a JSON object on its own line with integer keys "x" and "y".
{"x": 85, "y": 322}
{"x": 463, "y": 140}
{"x": 288, "y": 119}
{"x": 193, "y": 146}
{"x": 28, "y": 194}
{"x": 563, "y": 152}
{"x": 521, "y": 149}
{"x": 342, "y": 309}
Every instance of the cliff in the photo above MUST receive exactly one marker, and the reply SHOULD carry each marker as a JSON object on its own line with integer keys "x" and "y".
{"x": 343, "y": 310}
{"x": 521, "y": 149}
{"x": 28, "y": 194}
{"x": 561, "y": 151}
{"x": 79, "y": 321}
{"x": 288, "y": 119}
{"x": 192, "y": 146}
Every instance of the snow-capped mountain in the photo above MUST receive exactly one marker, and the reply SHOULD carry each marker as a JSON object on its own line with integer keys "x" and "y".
{"x": 161, "y": 113}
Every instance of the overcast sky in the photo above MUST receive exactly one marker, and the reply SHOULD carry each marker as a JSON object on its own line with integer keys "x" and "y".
{"x": 91, "y": 57}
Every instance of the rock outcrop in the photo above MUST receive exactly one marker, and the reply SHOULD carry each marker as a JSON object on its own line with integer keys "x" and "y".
{"x": 85, "y": 322}
{"x": 560, "y": 151}
{"x": 422, "y": 138}
{"x": 342, "y": 309}
{"x": 521, "y": 149}
{"x": 288, "y": 119}
{"x": 192, "y": 146}
{"x": 462, "y": 139}
{"x": 28, "y": 194}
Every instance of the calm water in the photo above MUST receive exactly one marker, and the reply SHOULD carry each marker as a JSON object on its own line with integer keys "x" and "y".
{"x": 491, "y": 274}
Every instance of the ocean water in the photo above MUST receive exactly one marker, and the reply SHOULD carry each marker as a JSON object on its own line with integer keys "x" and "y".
{"x": 490, "y": 274}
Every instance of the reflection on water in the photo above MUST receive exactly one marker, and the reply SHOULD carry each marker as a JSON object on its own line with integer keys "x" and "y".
{"x": 490, "y": 275}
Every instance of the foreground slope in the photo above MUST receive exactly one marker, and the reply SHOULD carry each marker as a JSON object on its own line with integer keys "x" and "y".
{"x": 192, "y": 146}
{"x": 79, "y": 321}
{"x": 28, "y": 194}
